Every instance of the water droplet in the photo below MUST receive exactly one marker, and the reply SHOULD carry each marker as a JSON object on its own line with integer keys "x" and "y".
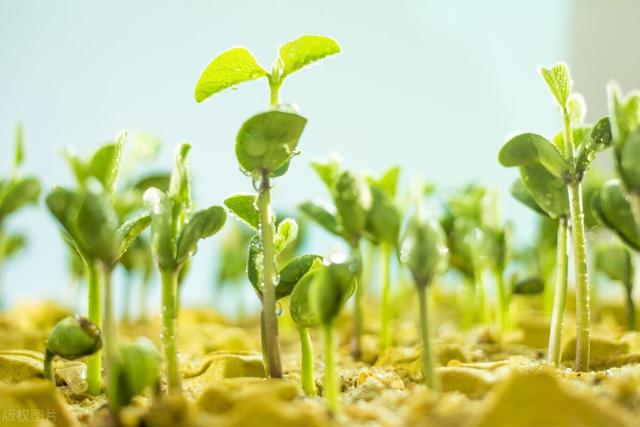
{"x": 279, "y": 309}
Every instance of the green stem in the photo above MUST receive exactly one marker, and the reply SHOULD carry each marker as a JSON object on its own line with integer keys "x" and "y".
{"x": 274, "y": 95}
{"x": 169, "y": 329}
{"x": 110, "y": 343}
{"x": 48, "y": 366}
{"x": 331, "y": 386}
{"x": 385, "y": 316}
{"x": 481, "y": 294}
{"x": 503, "y": 302}
{"x": 306, "y": 363}
{"x": 634, "y": 200}
{"x": 557, "y": 314}
{"x": 427, "y": 353}
{"x": 631, "y": 307}
{"x": 356, "y": 339}
{"x": 583, "y": 311}
{"x": 94, "y": 362}
{"x": 269, "y": 272}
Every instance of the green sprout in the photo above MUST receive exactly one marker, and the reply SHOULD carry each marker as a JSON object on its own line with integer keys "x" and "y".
{"x": 71, "y": 338}
{"x": 566, "y": 158}
{"x": 614, "y": 260}
{"x": 383, "y": 229}
{"x": 624, "y": 114}
{"x": 425, "y": 253}
{"x": 90, "y": 224}
{"x": 265, "y": 145}
{"x": 332, "y": 286}
{"x": 347, "y": 218}
{"x": 138, "y": 370}
{"x": 300, "y": 307}
{"x": 176, "y": 230}
{"x": 16, "y": 192}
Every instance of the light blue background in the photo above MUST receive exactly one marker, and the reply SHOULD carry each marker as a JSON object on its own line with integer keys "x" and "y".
{"x": 433, "y": 86}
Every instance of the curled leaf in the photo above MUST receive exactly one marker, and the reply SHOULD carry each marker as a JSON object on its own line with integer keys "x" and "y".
{"x": 202, "y": 224}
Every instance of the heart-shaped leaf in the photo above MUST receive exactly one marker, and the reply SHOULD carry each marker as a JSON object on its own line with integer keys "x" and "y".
{"x": 105, "y": 163}
{"x": 286, "y": 233}
{"x": 292, "y": 272}
{"x": 548, "y": 191}
{"x": 305, "y": 50}
{"x": 521, "y": 194}
{"x": 202, "y": 224}
{"x": 97, "y": 225}
{"x": 244, "y": 207}
{"x": 130, "y": 230}
{"x": 163, "y": 233}
{"x": 230, "y": 68}
{"x": 597, "y": 139}
{"x": 321, "y": 216}
{"x": 611, "y": 207}
{"x": 529, "y": 148}
{"x": 17, "y": 193}
{"x": 268, "y": 140}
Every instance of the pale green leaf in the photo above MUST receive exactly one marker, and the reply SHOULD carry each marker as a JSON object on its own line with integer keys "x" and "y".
{"x": 286, "y": 233}
{"x": 244, "y": 207}
{"x": 559, "y": 82}
{"x": 305, "y": 50}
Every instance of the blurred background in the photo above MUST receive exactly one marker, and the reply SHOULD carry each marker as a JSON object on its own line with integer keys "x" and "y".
{"x": 433, "y": 86}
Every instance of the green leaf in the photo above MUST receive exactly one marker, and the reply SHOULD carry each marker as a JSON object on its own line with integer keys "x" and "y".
{"x": 138, "y": 369}
{"x": 300, "y": 304}
{"x": 328, "y": 171}
{"x": 528, "y": 286}
{"x": 18, "y": 157}
{"x": 305, "y": 50}
{"x": 17, "y": 193}
{"x": 180, "y": 181}
{"x": 244, "y": 207}
{"x": 614, "y": 260}
{"x": 352, "y": 197}
{"x": 79, "y": 168}
{"x": 549, "y": 193}
{"x": 230, "y": 68}
{"x": 629, "y": 164}
{"x": 286, "y": 233}
{"x": 558, "y": 81}
{"x": 383, "y": 218}
{"x": 202, "y": 224}
{"x": 255, "y": 263}
{"x": 597, "y": 139}
{"x": 158, "y": 180}
{"x": 268, "y": 140}
{"x": 612, "y": 208}
{"x": 529, "y": 148}
{"x": 292, "y": 272}
{"x": 105, "y": 163}
{"x": 97, "y": 226}
{"x": 623, "y": 113}
{"x": 11, "y": 244}
{"x": 163, "y": 234}
{"x": 578, "y": 134}
{"x": 577, "y": 108}
{"x": 63, "y": 205}
{"x": 130, "y": 230}
{"x": 424, "y": 250}
{"x": 321, "y": 216}
{"x": 520, "y": 193}
{"x": 331, "y": 288}
{"x": 388, "y": 182}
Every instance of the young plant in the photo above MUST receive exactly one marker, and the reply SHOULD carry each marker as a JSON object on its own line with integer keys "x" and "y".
{"x": 16, "y": 192}
{"x": 348, "y": 219}
{"x": 91, "y": 226}
{"x": 138, "y": 370}
{"x": 72, "y": 338}
{"x": 425, "y": 253}
{"x": 300, "y": 307}
{"x": 624, "y": 114}
{"x": 383, "y": 229}
{"x": 545, "y": 194}
{"x": 175, "y": 232}
{"x": 568, "y": 157}
{"x": 615, "y": 261}
{"x": 265, "y": 145}
{"x": 332, "y": 286}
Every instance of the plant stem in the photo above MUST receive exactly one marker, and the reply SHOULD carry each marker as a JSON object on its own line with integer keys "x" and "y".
{"x": 634, "y": 200}
{"x": 274, "y": 95}
{"x": 385, "y": 316}
{"x": 356, "y": 339}
{"x": 110, "y": 343}
{"x": 48, "y": 366}
{"x": 481, "y": 294}
{"x": 631, "y": 307}
{"x": 306, "y": 363}
{"x": 169, "y": 329}
{"x": 331, "y": 386}
{"x": 583, "y": 310}
{"x": 267, "y": 232}
{"x": 427, "y": 353}
{"x": 503, "y": 303}
{"x": 557, "y": 316}
{"x": 94, "y": 362}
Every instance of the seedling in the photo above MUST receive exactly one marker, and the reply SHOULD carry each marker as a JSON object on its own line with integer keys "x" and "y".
{"x": 72, "y": 338}
{"x": 91, "y": 226}
{"x": 546, "y": 194}
{"x": 176, "y": 230}
{"x": 16, "y": 192}
{"x": 348, "y": 219}
{"x": 138, "y": 370}
{"x": 568, "y": 157}
{"x": 425, "y": 253}
{"x": 331, "y": 288}
{"x": 265, "y": 145}
{"x": 624, "y": 114}
{"x": 383, "y": 229}
{"x": 615, "y": 261}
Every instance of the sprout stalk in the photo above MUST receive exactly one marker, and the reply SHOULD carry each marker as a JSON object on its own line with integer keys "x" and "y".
{"x": 630, "y": 306}
{"x": 169, "y": 328}
{"x": 94, "y": 362}
{"x": 356, "y": 339}
{"x": 385, "y": 317}
{"x": 557, "y": 316}
{"x": 110, "y": 343}
{"x": 48, "y": 366}
{"x": 482, "y": 312}
{"x": 427, "y": 353}
{"x": 503, "y": 303}
{"x": 306, "y": 372}
{"x": 331, "y": 386}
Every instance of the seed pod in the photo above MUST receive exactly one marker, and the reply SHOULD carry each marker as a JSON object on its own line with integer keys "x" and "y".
{"x": 424, "y": 250}
{"x": 74, "y": 337}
